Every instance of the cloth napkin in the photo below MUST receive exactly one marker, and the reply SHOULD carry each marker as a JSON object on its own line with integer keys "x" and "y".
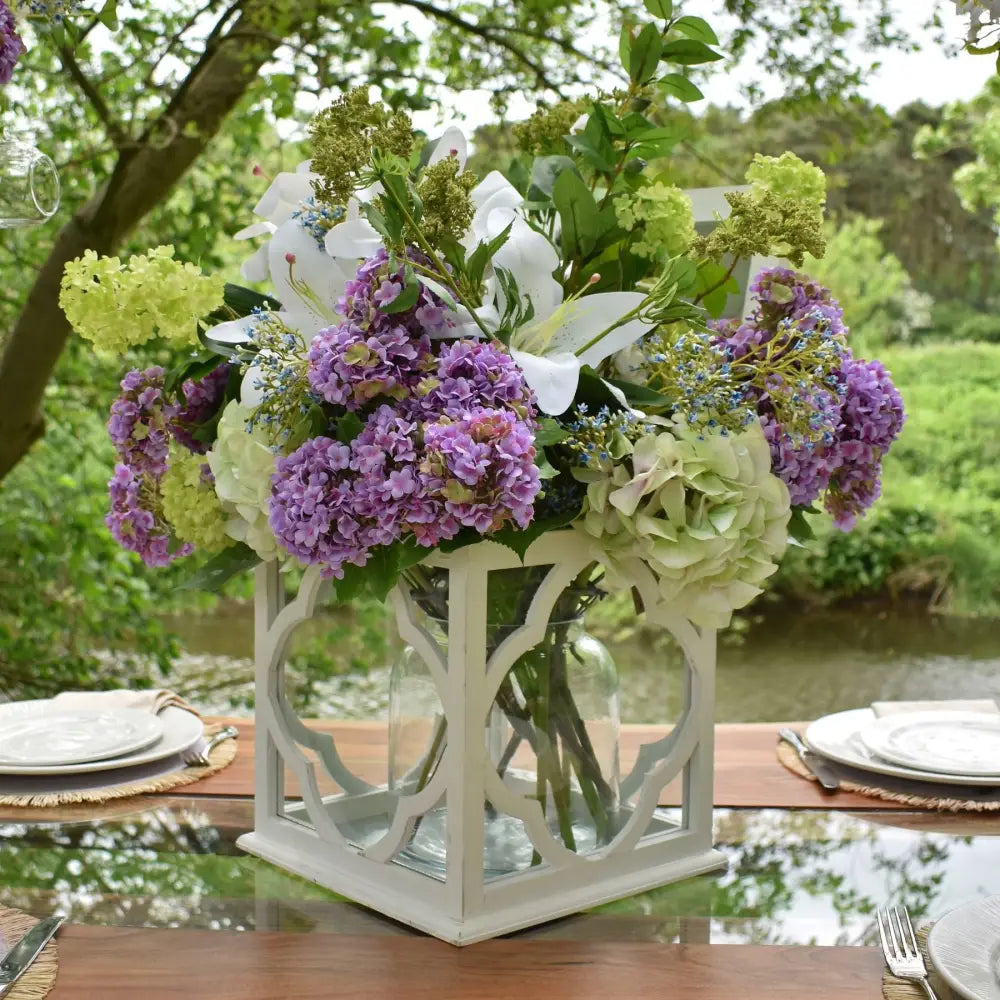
{"x": 153, "y": 701}
{"x": 885, "y": 708}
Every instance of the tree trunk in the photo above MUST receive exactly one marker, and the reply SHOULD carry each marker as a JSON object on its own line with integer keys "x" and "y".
{"x": 142, "y": 178}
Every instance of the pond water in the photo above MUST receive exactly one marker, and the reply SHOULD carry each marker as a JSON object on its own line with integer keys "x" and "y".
{"x": 796, "y": 665}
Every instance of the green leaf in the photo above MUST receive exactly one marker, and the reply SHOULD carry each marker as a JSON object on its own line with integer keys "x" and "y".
{"x": 545, "y": 170}
{"x": 625, "y": 45}
{"x": 109, "y": 15}
{"x": 688, "y": 52}
{"x": 483, "y": 254}
{"x": 549, "y": 432}
{"x": 592, "y": 391}
{"x": 645, "y": 53}
{"x": 193, "y": 368}
{"x": 222, "y": 567}
{"x": 243, "y": 301}
{"x": 679, "y": 86}
{"x": 349, "y": 426}
{"x": 406, "y": 299}
{"x": 591, "y": 153}
{"x": 799, "y": 528}
{"x": 581, "y": 222}
{"x": 519, "y": 540}
{"x": 709, "y": 275}
{"x": 697, "y": 28}
{"x": 660, "y": 8}
{"x": 546, "y": 470}
{"x": 377, "y": 219}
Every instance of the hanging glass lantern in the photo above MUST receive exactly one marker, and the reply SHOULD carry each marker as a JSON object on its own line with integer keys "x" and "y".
{"x": 29, "y": 183}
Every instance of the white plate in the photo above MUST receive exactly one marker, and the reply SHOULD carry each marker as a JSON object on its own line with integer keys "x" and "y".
{"x": 43, "y": 736}
{"x": 181, "y": 730}
{"x": 964, "y": 946}
{"x": 943, "y": 741}
{"x": 837, "y": 737}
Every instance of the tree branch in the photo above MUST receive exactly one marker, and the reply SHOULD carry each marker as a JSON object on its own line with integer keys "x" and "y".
{"x": 116, "y": 133}
{"x": 483, "y": 32}
{"x": 143, "y": 177}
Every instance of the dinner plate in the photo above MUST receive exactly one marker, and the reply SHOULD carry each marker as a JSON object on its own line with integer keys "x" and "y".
{"x": 964, "y": 947}
{"x": 837, "y": 737}
{"x": 44, "y": 736}
{"x": 943, "y": 741}
{"x": 180, "y": 731}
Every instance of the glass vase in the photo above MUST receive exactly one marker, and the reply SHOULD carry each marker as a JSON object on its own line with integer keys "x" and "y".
{"x": 551, "y": 733}
{"x": 29, "y": 183}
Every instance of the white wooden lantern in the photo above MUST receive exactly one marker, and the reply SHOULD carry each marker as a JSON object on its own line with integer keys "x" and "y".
{"x": 355, "y": 841}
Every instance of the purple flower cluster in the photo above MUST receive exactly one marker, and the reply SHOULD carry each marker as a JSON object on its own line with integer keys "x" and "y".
{"x": 331, "y": 503}
{"x": 375, "y": 353}
{"x": 134, "y": 520}
{"x": 201, "y": 402}
{"x": 11, "y": 46}
{"x": 853, "y": 417}
{"x": 139, "y": 427}
{"x": 872, "y": 418}
{"x": 483, "y": 465}
{"x": 473, "y": 373}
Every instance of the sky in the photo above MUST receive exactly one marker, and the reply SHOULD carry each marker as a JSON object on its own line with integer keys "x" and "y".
{"x": 929, "y": 75}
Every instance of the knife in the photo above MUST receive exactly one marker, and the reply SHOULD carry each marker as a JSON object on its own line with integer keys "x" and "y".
{"x": 815, "y": 765}
{"x": 18, "y": 960}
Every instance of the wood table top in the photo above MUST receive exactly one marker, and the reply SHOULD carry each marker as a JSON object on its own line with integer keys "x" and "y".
{"x": 115, "y": 963}
{"x": 747, "y": 772}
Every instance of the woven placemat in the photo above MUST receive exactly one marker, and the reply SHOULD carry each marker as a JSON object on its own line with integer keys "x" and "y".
{"x": 41, "y": 977}
{"x": 221, "y": 756}
{"x": 918, "y": 795}
{"x": 905, "y": 989}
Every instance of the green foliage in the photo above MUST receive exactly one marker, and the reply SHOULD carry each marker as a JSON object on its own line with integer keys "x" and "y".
{"x": 872, "y": 286}
{"x": 66, "y": 588}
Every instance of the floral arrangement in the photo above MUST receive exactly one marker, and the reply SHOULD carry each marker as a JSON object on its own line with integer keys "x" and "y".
{"x": 443, "y": 358}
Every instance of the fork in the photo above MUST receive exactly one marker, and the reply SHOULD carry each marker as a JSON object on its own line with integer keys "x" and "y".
{"x": 199, "y": 758}
{"x": 900, "y": 948}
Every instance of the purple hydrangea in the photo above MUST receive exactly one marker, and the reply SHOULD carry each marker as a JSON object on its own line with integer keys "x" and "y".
{"x": 476, "y": 373}
{"x": 375, "y": 353}
{"x": 201, "y": 401}
{"x": 140, "y": 421}
{"x": 313, "y": 511}
{"x": 11, "y": 46}
{"x": 872, "y": 418}
{"x": 482, "y": 465}
{"x": 134, "y": 520}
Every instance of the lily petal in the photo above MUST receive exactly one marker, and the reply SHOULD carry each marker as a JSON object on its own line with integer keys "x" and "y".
{"x": 588, "y": 316}
{"x": 255, "y": 229}
{"x": 553, "y": 378}
{"x": 256, "y": 268}
{"x": 493, "y": 191}
{"x": 233, "y": 331}
{"x": 530, "y": 258}
{"x": 250, "y": 395}
{"x": 284, "y": 196}
{"x": 309, "y": 287}
{"x": 354, "y": 239}
{"x": 452, "y": 138}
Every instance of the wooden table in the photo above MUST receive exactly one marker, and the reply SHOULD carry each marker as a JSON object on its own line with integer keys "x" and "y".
{"x": 804, "y": 866}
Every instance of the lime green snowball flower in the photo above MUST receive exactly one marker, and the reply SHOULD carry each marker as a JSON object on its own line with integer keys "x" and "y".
{"x": 705, "y": 514}
{"x": 787, "y": 176}
{"x": 662, "y": 215}
{"x": 117, "y": 306}
{"x": 242, "y": 462}
{"x": 190, "y": 504}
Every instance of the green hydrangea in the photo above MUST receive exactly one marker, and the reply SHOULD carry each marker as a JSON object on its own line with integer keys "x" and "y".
{"x": 118, "y": 306}
{"x": 190, "y": 504}
{"x": 788, "y": 176}
{"x": 703, "y": 512}
{"x": 242, "y": 462}
{"x": 662, "y": 215}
